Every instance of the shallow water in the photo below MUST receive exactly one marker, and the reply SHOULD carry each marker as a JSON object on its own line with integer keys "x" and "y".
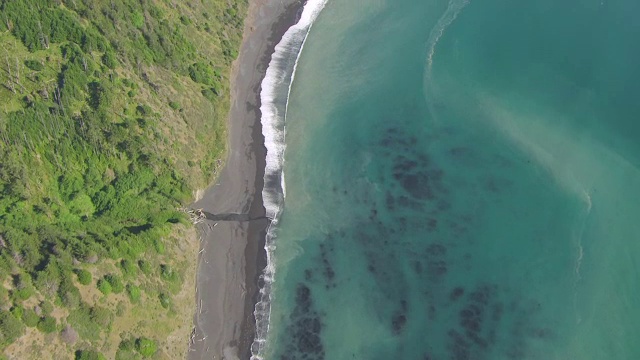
{"x": 462, "y": 182}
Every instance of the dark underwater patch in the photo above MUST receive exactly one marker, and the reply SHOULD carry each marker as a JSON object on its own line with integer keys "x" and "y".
{"x": 304, "y": 340}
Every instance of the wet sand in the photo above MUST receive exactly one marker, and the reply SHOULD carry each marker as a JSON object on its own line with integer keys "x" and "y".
{"x": 232, "y": 255}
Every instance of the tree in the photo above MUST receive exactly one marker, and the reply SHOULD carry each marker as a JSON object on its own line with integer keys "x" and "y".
{"x": 146, "y": 347}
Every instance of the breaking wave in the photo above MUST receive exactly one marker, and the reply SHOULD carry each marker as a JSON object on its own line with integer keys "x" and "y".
{"x": 274, "y": 97}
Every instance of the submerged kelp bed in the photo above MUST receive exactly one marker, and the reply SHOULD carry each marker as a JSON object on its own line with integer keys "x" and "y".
{"x": 460, "y": 184}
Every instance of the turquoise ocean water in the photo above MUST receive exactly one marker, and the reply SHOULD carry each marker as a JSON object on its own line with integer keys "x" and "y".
{"x": 462, "y": 182}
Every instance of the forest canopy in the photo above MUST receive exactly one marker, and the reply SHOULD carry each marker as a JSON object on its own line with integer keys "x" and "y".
{"x": 101, "y": 142}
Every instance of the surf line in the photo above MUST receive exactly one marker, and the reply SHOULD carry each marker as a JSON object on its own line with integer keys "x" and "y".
{"x": 580, "y": 255}
{"x": 274, "y": 102}
{"x": 453, "y": 9}
{"x": 587, "y": 199}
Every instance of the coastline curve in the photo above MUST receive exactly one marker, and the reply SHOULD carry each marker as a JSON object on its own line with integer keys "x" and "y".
{"x": 274, "y": 96}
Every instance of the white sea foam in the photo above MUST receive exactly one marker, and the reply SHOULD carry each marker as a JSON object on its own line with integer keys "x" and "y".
{"x": 580, "y": 252}
{"x": 580, "y": 248}
{"x": 274, "y": 97}
{"x": 453, "y": 9}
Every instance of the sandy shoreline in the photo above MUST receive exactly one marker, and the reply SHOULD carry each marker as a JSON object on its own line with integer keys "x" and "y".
{"x": 232, "y": 253}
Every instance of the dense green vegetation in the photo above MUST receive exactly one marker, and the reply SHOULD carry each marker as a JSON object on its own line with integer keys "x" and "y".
{"x": 89, "y": 355}
{"x": 141, "y": 347}
{"x": 112, "y": 113}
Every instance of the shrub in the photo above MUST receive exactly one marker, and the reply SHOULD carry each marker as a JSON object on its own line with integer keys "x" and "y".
{"x": 24, "y": 288}
{"x": 17, "y": 311}
{"x": 127, "y": 345}
{"x": 24, "y": 293}
{"x": 4, "y": 295}
{"x": 30, "y": 318}
{"x": 69, "y": 335}
{"x": 104, "y": 286}
{"x": 134, "y": 293}
{"x": 101, "y": 316}
{"x": 84, "y": 277}
{"x": 34, "y": 65}
{"x": 144, "y": 110}
{"x": 46, "y": 307}
{"x": 81, "y": 321}
{"x": 81, "y": 204}
{"x": 165, "y": 300}
{"x": 121, "y": 308}
{"x": 47, "y": 280}
{"x": 146, "y": 347}
{"x": 91, "y": 257}
{"x": 201, "y": 73}
{"x": 137, "y": 19}
{"x": 145, "y": 267}
{"x": 128, "y": 268}
{"x": 68, "y": 293}
{"x": 185, "y": 20}
{"x": 109, "y": 60}
{"x": 100, "y": 99}
{"x": 127, "y": 355}
{"x": 89, "y": 355}
{"x": 210, "y": 94}
{"x": 47, "y": 324}
{"x": 167, "y": 272}
{"x": 159, "y": 246}
{"x": 116, "y": 283}
{"x": 174, "y": 105}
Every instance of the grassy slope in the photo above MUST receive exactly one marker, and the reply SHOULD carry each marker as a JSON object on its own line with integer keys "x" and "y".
{"x": 111, "y": 114}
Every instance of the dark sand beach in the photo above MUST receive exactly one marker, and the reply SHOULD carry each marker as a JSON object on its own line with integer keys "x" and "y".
{"x": 232, "y": 255}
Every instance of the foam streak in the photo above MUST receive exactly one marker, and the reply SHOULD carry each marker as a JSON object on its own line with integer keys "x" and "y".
{"x": 453, "y": 9}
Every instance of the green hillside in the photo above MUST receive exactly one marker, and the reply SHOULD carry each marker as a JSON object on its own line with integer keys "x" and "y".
{"x": 111, "y": 114}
